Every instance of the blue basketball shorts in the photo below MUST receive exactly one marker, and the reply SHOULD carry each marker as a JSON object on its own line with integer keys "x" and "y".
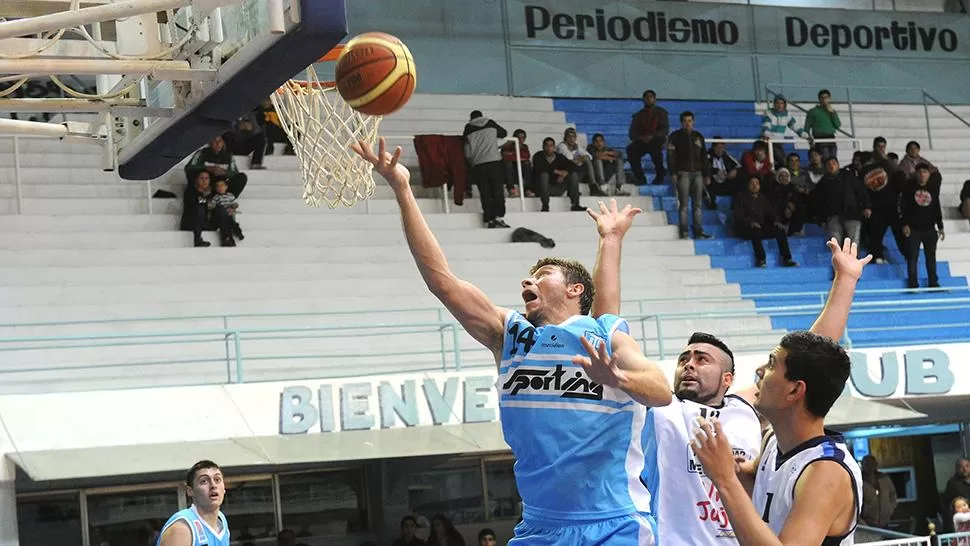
{"x": 629, "y": 530}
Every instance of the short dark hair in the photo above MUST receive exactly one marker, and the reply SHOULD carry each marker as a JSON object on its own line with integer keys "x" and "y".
{"x": 923, "y": 167}
{"x": 913, "y": 143}
{"x": 548, "y": 139}
{"x": 892, "y": 155}
{"x": 760, "y": 144}
{"x": 753, "y": 176}
{"x": 516, "y": 132}
{"x": 485, "y": 533}
{"x": 824, "y": 92}
{"x": 649, "y": 92}
{"x": 412, "y": 519}
{"x": 819, "y": 362}
{"x": 795, "y": 155}
{"x": 475, "y": 114}
{"x": 598, "y": 135}
{"x": 832, "y": 158}
{"x": 686, "y": 114}
{"x": 285, "y": 533}
{"x": 877, "y": 141}
{"x": 201, "y": 465}
{"x": 574, "y": 272}
{"x": 710, "y": 339}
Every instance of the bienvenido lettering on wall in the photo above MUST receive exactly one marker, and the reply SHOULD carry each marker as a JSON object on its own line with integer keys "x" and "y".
{"x": 652, "y": 27}
{"x": 899, "y": 36}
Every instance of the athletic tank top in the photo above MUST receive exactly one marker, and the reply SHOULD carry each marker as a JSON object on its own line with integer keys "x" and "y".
{"x": 577, "y": 444}
{"x": 774, "y": 485}
{"x": 202, "y": 534}
{"x": 685, "y": 502}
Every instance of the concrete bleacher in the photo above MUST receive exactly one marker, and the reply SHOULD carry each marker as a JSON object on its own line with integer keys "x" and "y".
{"x": 86, "y": 249}
{"x": 898, "y": 124}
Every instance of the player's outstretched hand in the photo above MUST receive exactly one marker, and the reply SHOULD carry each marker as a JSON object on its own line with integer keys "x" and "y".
{"x": 714, "y": 451}
{"x": 611, "y": 222}
{"x": 385, "y": 164}
{"x": 845, "y": 260}
{"x": 600, "y": 367}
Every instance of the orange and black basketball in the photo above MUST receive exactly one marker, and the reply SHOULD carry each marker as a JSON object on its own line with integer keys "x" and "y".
{"x": 375, "y": 73}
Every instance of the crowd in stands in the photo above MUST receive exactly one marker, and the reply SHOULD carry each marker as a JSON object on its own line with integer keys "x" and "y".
{"x": 441, "y": 533}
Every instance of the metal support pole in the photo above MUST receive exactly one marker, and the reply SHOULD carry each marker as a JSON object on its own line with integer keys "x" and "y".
{"x": 225, "y": 327}
{"x": 660, "y": 337}
{"x": 518, "y": 168}
{"x": 441, "y": 338}
{"x": 926, "y": 115}
{"x": 454, "y": 337}
{"x": 148, "y": 188}
{"x": 848, "y": 98}
{"x": 239, "y": 364}
{"x": 16, "y": 175}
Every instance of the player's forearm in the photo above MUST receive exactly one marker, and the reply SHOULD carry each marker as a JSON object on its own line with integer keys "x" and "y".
{"x": 425, "y": 249}
{"x": 835, "y": 315}
{"x": 748, "y": 526}
{"x": 606, "y": 276}
{"x": 643, "y": 380}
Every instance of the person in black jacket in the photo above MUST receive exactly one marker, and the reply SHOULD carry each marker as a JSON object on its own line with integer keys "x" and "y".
{"x": 687, "y": 158}
{"x": 555, "y": 174}
{"x": 922, "y": 219}
{"x": 724, "y": 171}
{"x": 841, "y": 200}
{"x": 883, "y": 181}
{"x": 754, "y": 219}
{"x": 965, "y": 200}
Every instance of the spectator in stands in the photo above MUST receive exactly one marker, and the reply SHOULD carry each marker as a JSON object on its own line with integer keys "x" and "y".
{"x": 775, "y": 125}
{"x": 965, "y": 200}
{"x": 961, "y": 518}
{"x": 273, "y": 128}
{"x": 841, "y": 200}
{"x": 483, "y": 154}
{"x": 957, "y": 486}
{"x": 486, "y": 537}
{"x": 223, "y": 206}
{"x": 816, "y": 165}
{"x": 216, "y": 159}
{"x": 607, "y": 165}
{"x": 648, "y": 135}
{"x": 724, "y": 173}
{"x": 855, "y": 168}
{"x": 788, "y": 209}
{"x": 409, "y": 526}
{"x": 511, "y": 167}
{"x": 287, "y": 537}
{"x": 922, "y": 218}
{"x": 570, "y": 148}
{"x": 197, "y": 209}
{"x": 443, "y": 533}
{"x": 913, "y": 158}
{"x": 755, "y": 220}
{"x": 755, "y": 162}
{"x": 554, "y": 174}
{"x": 687, "y": 158}
{"x": 878, "y": 495}
{"x": 883, "y": 183}
{"x": 247, "y": 137}
{"x": 822, "y": 122}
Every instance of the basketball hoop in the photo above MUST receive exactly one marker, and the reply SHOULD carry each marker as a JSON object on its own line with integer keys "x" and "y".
{"x": 321, "y": 126}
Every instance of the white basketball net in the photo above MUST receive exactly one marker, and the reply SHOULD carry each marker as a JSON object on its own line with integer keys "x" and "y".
{"x": 321, "y": 126}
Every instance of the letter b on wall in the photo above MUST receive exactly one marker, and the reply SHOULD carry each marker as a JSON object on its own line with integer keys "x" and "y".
{"x": 297, "y": 414}
{"x": 928, "y": 372}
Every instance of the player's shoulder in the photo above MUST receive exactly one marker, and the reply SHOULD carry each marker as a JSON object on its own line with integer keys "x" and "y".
{"x": 610, "y": 323}
{"x": 177, "y": 533}
{"x": 824, "y": 478}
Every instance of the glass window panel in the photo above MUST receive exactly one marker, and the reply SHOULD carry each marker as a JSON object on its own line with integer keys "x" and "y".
{"x": 50, "y": 520}
{"x": 249, "y": 509}
{"x": 324, "y": 504}
{"x": 454, "y": 490}
{"x": 503, "y": 496}
{"x": 129, "y": 519}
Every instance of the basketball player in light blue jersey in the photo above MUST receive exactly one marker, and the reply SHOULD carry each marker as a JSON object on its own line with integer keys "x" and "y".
{"x": 573, "y": 390}
{"x": 201, "y": 524}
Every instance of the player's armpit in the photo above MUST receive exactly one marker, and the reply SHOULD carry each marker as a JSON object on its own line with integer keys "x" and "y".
{"x": 481, "y": 318}
{"x": 825, "y": 505}
{"x": 642, "y": 379}
{"x": 178, "y": 534}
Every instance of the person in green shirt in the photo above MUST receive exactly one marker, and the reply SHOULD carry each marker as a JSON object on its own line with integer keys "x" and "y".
{"x": 823, "y": 122}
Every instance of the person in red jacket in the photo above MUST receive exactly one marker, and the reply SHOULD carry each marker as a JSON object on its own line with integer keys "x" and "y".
{"x": 648, "y": 135}
{"x": 755, "y": 163}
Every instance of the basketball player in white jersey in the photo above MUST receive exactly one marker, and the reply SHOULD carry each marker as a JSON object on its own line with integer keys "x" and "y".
{"x": 688, "y": 509}
{"x": 805, "y": 486}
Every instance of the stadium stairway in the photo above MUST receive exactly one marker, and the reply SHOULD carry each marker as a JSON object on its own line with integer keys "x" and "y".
{"x": 767, "y": 287}
{"x": 85, "y": 253}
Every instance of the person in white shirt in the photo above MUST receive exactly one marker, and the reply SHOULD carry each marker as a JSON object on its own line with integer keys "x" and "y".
{"x": 570, "y": 148}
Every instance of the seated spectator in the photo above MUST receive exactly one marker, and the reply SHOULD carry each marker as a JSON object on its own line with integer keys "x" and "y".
{"x": 223, "y": 206}
{"x": 755, "y": 220}
{"x": 816, "y": 166}
{"x": 286, "y": 537}
{"x": 409, "y": 526}
{"x": 855, "y": 168}
{"x": 648, "y": 135}
{"x": 775, "y": 125}
{"x": 273, "y": 128}
{"x": 486, "y": 537}
{"x": 687, "y": 158}
{"x": 511, "y": 168}
{"x": 555, "y": 174}
{"x": 198, "y": 208}
{"x": 247, "y": 137}
{"x": 841, "y": 199}
{"x": 784, "y": 201}
{"x": 755, "y": 162}
{"x": 724, "y": 174}
{"x": 607, "y": 165}
{"x": 965, "y": 201}
{"x": 803, "y": 184}
{"x": 922, "y": 218}
{"x": 583, "y": 160}
{"x": 443, "y": 533}
{"x": 216, "y": 159}
{"x": 913, "y": 158}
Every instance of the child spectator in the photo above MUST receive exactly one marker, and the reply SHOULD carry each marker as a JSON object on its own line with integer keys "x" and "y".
{"x": 961, "y": 518}
{"x": 775, "y": 125}
{"x": 607, "y": 164}
{"x": 754, "y": 220}
{"x": 199, "y": 207}
{"x": 511, "y": 169}
{"x": 223, "y": 205}
{"x": 922, "y": 219}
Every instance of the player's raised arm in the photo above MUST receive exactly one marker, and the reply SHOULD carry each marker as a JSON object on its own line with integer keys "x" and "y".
{"x": 469, "y": 305}
{"x": 612, "y": 225}
{"x": 824, "y": 503}
{"x": 626, "y": 369}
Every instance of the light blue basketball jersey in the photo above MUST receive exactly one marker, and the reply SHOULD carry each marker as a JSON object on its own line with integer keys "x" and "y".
{"x": 202, "y": 534}
{"x": 577, "y": 444}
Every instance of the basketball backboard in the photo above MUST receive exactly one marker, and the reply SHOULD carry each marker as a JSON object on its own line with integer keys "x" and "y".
{"x": 171, "y": 74}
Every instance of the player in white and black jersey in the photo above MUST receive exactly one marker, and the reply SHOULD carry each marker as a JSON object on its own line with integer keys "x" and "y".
{"x": 805, "y": 486}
